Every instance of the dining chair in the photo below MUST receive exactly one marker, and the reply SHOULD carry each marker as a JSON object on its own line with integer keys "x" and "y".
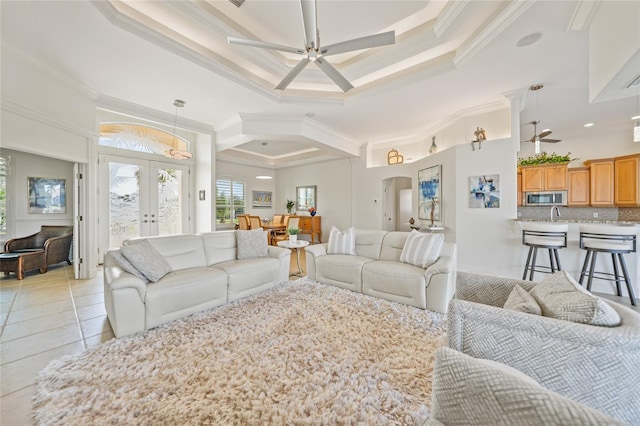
{"x": 255, "y": 222}
{"x": 277, "y": 219}
{"x": 243, "y": 222}
{"x": 292, "y": 222}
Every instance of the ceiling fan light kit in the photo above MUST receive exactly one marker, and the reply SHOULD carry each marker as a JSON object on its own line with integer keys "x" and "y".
{"x": 312, "y": 51}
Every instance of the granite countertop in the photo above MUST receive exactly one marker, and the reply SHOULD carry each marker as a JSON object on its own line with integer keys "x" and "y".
{"x": 604, "y": 222}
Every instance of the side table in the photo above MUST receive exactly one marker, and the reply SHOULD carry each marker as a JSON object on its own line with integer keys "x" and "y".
{"x": 22, "y": 262}
{"x": 294, "y": 246}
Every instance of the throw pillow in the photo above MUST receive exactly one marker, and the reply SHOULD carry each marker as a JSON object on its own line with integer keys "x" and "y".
{"x": 125, "y": 265}
{"x": 422, "y": 249}
{"x": 342, "y": 242}
{"x": 147, "y": 260}
{"x": 521, "y": 301}
{"x": 561, "y": 297}
{"x": 252, "y": 243}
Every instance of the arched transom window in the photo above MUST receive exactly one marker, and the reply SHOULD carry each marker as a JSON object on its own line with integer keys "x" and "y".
{"x": 136, "y": 137}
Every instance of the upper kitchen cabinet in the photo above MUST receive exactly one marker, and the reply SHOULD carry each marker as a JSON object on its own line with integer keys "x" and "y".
{"x": 578, "y": 178}
{"x": 544, "y": 177}
{"x": 627, "y": 177}
{"x": 601, "y": 181}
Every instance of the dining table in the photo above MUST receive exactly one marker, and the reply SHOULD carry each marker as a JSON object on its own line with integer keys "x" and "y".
{"x": 273, "y": 228}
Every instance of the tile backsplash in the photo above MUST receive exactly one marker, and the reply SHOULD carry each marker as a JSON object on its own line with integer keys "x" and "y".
{"x": 604, "y": 214}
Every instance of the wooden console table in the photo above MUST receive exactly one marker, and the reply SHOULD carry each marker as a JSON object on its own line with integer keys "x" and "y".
{"x": 311, "y": 225}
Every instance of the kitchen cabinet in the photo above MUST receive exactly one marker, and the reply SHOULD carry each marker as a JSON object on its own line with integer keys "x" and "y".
{"x": 601, "y": 182}
{"x": 626, "y": 181}
{"x": 578, "y": 183}
{"x": 519, "y": 188}
{"x": 544, "y": 177}
{"x": 311, "y": 225}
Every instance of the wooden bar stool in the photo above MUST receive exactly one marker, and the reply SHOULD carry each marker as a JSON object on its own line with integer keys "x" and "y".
{"x": 616, "y": 240}
{"x": 550, "y": 236}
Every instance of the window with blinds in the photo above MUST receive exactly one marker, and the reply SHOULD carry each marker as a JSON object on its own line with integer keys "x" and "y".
{"x": 231, "y": 200}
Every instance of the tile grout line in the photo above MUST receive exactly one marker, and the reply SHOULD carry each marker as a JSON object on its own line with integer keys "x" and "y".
{"x": 13, "y": 301}
{"x": 75, "y": 309}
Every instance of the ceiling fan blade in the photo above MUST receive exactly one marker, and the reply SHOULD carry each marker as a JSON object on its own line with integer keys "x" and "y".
{"x": 292, "y": 74}
{"x": 545, "y": 134}
{"x": 550, "y": 140}
{"x": 360, "y": 43}
{"x": 255, "y": 43}
{"x": 334, "y": 74}
{"x": 310, "y": 21}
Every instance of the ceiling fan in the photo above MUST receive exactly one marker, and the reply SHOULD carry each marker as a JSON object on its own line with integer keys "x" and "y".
{"x": 312, "y": 51}
{"x": 542, "y": 137}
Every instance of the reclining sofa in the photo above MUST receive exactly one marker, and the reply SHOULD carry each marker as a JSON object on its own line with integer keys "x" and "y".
{"x": 205, "y": 271}
{"x": 376, "y": 270}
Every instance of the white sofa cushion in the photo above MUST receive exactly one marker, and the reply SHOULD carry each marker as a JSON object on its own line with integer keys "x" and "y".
{"x": 252, "y": 243}
{"x": 341, "y": 270}
{"x": 422, "y": 249}
{"x": 342, "y": 242}
{"x": 146, "y": 259}
{"x": 395, "y": 281}
{"x": 180, "y": 251}
{"x": 219, "y": 246}
{"x": 250, "y": 276}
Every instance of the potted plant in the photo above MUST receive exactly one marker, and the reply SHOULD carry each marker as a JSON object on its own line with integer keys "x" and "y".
{"x": 312, "y": 211}
{"x": 544, "y": 158}
{"x": 290, "y": 205}
{"x": 293, "y": 234}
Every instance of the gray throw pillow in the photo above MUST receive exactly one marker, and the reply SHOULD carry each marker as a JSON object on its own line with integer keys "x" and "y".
{"x": 147, "y": 260}
{"x": 520, "y": 300}
{"x": 561, "y": 297}
{"x": 125, "y": 265}
{"x": 252, "y": 243}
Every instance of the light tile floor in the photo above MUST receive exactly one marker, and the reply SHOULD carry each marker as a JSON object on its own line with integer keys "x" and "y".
{"x": 47, "y": 316}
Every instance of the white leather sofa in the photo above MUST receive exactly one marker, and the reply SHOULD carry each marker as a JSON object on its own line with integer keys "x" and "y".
{"x": 376, "y": 270}
{"x": 205, "y": 273}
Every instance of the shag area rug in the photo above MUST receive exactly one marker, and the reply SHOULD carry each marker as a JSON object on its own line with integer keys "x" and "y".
{"x": 300, "y": 353}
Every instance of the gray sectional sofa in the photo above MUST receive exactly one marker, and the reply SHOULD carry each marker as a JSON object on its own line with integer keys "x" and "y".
{"x": 205, "y": 271}
{"x": 376, "y": 270}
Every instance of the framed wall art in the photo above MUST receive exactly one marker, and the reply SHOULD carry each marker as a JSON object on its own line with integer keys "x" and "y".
{"x": 484, "y": 192}
{"x": 47, "y": 195}
{"x": 261, "y": 199}
{"x": 430, "y": 193}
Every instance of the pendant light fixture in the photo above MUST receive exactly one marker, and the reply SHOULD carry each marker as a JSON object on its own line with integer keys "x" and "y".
{"x": 636, "y": 125}
{"x": 174, "y": 152}
{"x": 265, "y": 176}
{"x": 536, "y": 140}
{"x": 433, "y": 148}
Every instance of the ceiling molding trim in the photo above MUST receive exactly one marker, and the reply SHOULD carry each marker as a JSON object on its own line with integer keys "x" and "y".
{"x": 130, "y": 20}
{"x": 276, "y": 157}
{"x": 121, "y": 107}
{"x": 583, "y": 15}
{"x": 504, "y": 18}
{"x": 519, "y": 94}
{"x": 443, "y": 124}
{"x": 448, "y": 16}
{"x": 45, "y": 118}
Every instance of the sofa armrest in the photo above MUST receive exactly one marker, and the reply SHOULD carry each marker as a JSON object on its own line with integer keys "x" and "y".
{"x": 278, "y": 252}
{"x": 576, "y": 360}
{"x": 21, "y": 243}
{"x": 57, "y": 249}
{"x": 440, "y": 279}
{"x": 117, "y": 278}
{"x": 312, "y": 253}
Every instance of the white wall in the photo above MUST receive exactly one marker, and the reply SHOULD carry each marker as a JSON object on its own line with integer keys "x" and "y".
{"x": 204, "y": 157}
{"x": 24, "y": 165}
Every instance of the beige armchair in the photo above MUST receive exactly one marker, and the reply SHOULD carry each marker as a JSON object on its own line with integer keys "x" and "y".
{"x": 596, "y": 366}
{"x": 55, "y": 241}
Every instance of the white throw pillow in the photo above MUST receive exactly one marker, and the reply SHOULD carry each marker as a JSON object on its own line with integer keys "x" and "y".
{"x": 125, "y": 265}
{"x": 521, "y": 301}
{"x": 422, "y": 249}
{"x": 561, "y": 297}
{"x": 342, "y": 242}
{"x": 252, "y": 243}
{"x": 147, "y": 260}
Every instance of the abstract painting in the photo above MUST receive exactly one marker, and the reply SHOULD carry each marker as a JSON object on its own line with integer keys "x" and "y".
{"x": 429, "y": 193}
{"x": 47, "y": 195}
{"x": 484, "y": 192}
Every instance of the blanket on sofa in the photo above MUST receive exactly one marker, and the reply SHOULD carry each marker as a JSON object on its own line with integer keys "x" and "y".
{"x": 302, "y": 352}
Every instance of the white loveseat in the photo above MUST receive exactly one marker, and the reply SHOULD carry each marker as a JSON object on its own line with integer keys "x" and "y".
{"x": 205, "y": 272}
{"x": 376, "y": 270}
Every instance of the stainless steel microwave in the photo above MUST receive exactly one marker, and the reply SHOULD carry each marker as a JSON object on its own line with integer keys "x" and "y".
{"x": 545, "y": 198}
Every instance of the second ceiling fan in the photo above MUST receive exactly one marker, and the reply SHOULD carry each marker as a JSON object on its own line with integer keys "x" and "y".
{"x": 542, "y": 137}
{"x": 312, "y": 51}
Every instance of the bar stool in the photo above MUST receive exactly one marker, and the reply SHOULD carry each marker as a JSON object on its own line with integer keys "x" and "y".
{"x": 550, "y": 236}
{"x": 617, "y": 240}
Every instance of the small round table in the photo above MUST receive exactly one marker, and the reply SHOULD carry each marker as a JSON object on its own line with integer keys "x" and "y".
{"x": 294, "y": 246}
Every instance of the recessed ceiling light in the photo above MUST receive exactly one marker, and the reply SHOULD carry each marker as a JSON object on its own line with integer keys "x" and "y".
{"x": 310, "y": 114}
{"x": 588, "y": 125}
{"x": 528, "y": 40}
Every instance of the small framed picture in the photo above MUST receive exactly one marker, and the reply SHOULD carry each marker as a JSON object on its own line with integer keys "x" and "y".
{"x": 261, "y": 199}
{"x": 47, "y": 195}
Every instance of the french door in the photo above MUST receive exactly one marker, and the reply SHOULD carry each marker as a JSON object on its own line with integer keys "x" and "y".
{"x": 141, "y": 198}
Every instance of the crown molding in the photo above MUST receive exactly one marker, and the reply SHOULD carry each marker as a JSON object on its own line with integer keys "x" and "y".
{"x": 448, "y": 16}
{"x": 583, "y": 15}
{"x": 45, "y": 118}
{"x": 504, "y": 17}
